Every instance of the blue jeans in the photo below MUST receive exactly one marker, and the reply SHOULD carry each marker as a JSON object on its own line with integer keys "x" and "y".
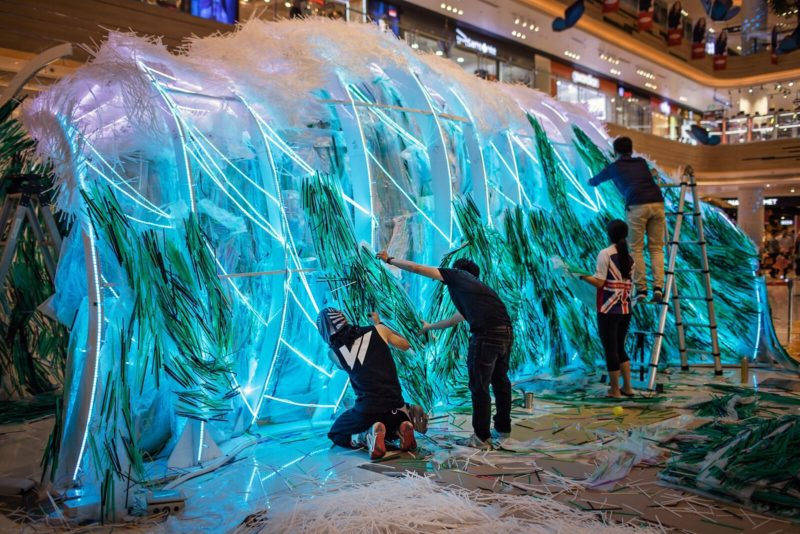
{"x": 487, "y": 363}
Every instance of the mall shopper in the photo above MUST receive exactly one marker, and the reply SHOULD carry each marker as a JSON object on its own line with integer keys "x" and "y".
{"x": 644, "y": 209}
{"x": 379, "y": 413}
{"x": 612, "y": 278}
{"x": 489, "y": 345}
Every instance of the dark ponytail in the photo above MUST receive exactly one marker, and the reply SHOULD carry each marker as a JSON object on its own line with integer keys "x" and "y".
{"x": 617, "y": 234}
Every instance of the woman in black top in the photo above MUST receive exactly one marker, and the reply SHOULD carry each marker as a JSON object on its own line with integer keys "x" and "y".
{"x": 379, "y": 412}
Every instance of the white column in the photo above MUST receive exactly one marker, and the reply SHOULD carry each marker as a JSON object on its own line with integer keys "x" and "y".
{"x": 750, "y": 214}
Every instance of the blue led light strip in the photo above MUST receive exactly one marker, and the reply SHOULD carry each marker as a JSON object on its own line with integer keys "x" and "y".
{"x": 388, "y": 121}
{"x": 405, "y": 194}
{"x": 306, "y": 358}
{"x": 480, "y": 153}
{"x": 445, "y": 152}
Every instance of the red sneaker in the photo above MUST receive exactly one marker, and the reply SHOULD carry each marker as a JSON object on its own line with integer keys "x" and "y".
{"x": 407, "y": 440}
{"x": 375, "y": 441}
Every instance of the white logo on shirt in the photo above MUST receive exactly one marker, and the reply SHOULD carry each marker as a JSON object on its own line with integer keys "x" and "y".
{"x": 359, "y": 350}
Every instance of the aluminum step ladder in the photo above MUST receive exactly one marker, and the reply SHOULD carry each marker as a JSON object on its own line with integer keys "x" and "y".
{"x": 27, "y": 199}
{"x": 687, "y": 184}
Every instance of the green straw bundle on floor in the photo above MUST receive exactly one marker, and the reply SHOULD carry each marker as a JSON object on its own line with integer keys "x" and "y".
{"x": 754, "y": 462}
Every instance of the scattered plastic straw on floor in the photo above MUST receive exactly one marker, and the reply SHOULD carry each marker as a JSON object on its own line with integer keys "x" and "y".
{"x": 419, "y": 504}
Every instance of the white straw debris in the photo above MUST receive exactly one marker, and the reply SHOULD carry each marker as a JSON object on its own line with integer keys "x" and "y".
{"x": 414, "y": 504}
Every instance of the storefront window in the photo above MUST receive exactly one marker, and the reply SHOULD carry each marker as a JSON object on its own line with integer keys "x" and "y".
{"x": 510, "y": 73}
{"x": 736, "y": 130}
{"x": 788, "y": 125}
{"x": 660, "y": 124}
{"x": 763, "y": 128}
{"x": 477, "y": 64}
{"x": 425, "y": 44}
{"x": 595, "y": 101}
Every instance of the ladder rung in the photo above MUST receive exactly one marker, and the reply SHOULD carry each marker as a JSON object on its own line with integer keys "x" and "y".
{"x": 689, "y": 271}
{"x": 684, "y": 213}
{"x": 687, "y": 242}
{"x": 700, "y": 351}
{"x": 692, "y": 297}
{"x": 697, "y": 325}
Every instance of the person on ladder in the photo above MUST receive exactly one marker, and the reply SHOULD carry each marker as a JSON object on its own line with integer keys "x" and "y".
{"x": 644, "y": 210}
{"x": 380, "y": 413}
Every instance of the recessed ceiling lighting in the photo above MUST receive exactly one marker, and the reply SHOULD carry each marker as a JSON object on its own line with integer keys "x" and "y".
{"x": 683, "y": 99}
{"x": 443, "y": 6}
{"x": 439, "y": 53}
{"x": 516, "y": 20}
{"x": 415, "y": 46}
{"x": 572, "y": 55}
{"x": 615, "y": 72}
{"x": 460, "y": 59}
{"x": 460, "y": 11}
{"x": 651, "y": 86}
{"x": 791, "y": 84}
{"x": 768, "y": 185}
{"x": 791, "y": 190}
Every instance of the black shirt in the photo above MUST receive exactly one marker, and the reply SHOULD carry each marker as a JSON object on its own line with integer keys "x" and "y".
{"x": 634, "y": 180}
{"x": 372, "y": 372}
{"x": 477, "y": 302}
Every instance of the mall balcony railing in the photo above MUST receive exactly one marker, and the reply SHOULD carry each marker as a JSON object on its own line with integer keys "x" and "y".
{"x": 746, "y": 129}
{"x": 738, "y": 66}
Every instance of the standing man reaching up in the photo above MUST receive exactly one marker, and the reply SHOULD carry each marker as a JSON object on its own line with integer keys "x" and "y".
{"x": 489, "y": 345}
{"x": 644, "y": 210}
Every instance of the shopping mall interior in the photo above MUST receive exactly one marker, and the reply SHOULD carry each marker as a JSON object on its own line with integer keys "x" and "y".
{"x": 400, "y": 266}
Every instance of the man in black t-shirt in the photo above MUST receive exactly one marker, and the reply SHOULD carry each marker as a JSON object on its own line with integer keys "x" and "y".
{"x": 379, "y": 412}
{"x": 489, "y": 345}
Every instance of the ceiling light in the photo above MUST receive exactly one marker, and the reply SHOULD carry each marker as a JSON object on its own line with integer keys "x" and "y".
{"x": 572, "y": 55}
{"x": 443, "y": 6}
{"x": 415, "y": 46}
{"x": 516, "y": 20}
{"x": 524, "y": 36}
{"x": 683, "y": 99}
{"x": 524, "y": 24}
{"x": 646, "y": 74}
{"x": 791, "y": 190}
{"x": 536, "y": 29}
{"x": 460, "y": 11}
{"x": 615, "y": 72}
{"x": 768, "y": 185}
{"x": 750, "y": 90}
{"x": 288, "y": 4}
{"x": 460, "y": 59}
{"x": 791, "y": 84}
{"x": 651, "y": 86}
{"x": 439, "y": 53}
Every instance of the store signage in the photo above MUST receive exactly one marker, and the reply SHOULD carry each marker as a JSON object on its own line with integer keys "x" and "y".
{"x": 767, "y": 201}
{"x": 585, "y": 79}
{"x": 462, "y": 39}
